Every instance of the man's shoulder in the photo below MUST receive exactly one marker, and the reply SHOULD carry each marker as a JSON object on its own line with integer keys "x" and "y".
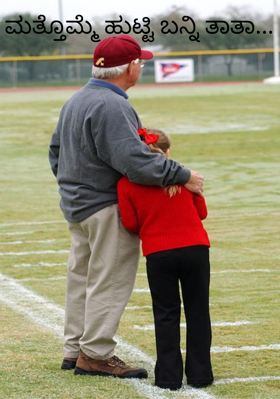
{"x": 98, "y": 95}
{"x": 85, "y": 94}
{"x": 112, "y": 97}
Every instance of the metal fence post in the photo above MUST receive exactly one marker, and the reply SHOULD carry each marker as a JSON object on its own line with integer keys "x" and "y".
{"x": 15, "y": 74}
{"x": 200, "y": 67}
{"x": 78, "y": 69}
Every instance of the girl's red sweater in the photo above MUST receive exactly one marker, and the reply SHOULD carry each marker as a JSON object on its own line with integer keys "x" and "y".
{"x": 162, "y": 222}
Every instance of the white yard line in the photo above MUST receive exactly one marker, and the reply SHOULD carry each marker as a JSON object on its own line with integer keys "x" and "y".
{"x": 29, "y": 242}
{"x": 39, "y": 310}
{"x": 137, "y": 290}
{"x": 247, "y": 271}
{"x": 224, "y": 349}
{"x": 232, "y": 323}
{"x": 50, "y": 316}
{"x": 151, "y": 327}
{"x": 17, "y": 233}
{"x": 138, "y": 274}
{"x": 40, "y": 264}
{"x": 61, "y": 251}
{"x": 32, "y": 223}
{"x": 141, "y": 290}
{"x": 220, "y": 215}
{"x": 246, "y": 379}
{"x": 227, "y": 349}
{"x": 156, "y": 393}
{"x": 57, "y": 278}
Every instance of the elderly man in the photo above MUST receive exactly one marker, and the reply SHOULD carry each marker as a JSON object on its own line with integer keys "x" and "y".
{"x": 94, "y": 144}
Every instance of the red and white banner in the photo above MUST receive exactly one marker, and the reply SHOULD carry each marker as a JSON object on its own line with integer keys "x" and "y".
{"x": 178, "y": 70}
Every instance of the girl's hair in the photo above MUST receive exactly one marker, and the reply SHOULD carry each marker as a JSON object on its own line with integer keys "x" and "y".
{"x": 161, "y": 146}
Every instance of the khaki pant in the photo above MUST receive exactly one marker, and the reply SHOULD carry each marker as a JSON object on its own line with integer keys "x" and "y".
{"x": 102, "y": 267}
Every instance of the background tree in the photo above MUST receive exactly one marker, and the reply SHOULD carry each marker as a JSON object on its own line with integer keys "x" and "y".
{"x": 29, "y": 44}
{"x": 39, "y": 44}
{"x": 26, "y": 44}
{"x": 230, "y": 40}
{"x": 233, "y": 41}
{"x": 177, "y": 41}
{"x": 219, "y": 41}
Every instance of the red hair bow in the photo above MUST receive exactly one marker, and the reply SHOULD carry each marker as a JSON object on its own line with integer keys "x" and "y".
{"x": 146, "y": 137}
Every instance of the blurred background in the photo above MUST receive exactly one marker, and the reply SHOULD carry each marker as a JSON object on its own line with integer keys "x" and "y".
{"x": 64, "y": 57}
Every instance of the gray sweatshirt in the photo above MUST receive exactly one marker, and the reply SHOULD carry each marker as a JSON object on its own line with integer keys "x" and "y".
{"x": 95, "y": 143}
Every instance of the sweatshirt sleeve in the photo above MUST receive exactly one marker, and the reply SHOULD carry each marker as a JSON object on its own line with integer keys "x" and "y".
{"x": 128, "y": 213}
{"x": 118, "y": 144}
{"x": 200, "y": 205}
{"x": 54, "y": 151}
{"x": 54, "y": 147}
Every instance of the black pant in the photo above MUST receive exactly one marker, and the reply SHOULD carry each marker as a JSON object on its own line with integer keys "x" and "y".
{"x": 189, "y": 266}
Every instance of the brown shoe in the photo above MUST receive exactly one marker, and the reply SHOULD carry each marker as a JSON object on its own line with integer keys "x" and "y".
{"x": 114, "y": 367}
{"x": 69, "y": 363}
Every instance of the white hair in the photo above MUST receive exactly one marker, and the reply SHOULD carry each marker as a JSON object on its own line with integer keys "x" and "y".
{"x": 109, "y": 73}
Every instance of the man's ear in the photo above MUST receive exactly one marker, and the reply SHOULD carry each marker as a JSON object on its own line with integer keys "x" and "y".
{"x": 130, "y": 67}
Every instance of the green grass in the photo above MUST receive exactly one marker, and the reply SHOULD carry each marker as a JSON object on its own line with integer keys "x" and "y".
{"x": 228, "y": 133}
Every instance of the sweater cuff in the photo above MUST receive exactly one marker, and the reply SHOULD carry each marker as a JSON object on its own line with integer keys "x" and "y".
{"x": 184, "y": 176}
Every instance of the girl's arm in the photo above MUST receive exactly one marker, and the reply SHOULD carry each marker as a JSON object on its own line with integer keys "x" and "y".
{"x": 200, "y": 205}
{"x": 128, "y": 214}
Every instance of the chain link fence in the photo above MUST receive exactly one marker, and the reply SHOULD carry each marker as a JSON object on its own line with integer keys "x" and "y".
{"x": 76, "y": 70}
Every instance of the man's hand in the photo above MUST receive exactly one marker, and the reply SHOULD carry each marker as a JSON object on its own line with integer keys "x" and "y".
{"x": 195, "y": 183}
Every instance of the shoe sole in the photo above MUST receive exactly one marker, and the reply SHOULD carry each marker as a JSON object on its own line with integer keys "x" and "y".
{"x": 63, "y": 367}
{"x": 129, "y": 374}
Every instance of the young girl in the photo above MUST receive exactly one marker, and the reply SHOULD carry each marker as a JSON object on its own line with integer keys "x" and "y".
{"x": 176, "y": 246}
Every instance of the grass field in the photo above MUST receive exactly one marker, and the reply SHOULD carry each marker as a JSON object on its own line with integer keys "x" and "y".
{"x": 228, "y": 133}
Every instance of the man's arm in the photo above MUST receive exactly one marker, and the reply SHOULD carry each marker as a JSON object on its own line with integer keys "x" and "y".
{"x": 54, "y": 151}
{"x": 119, "y": 145}
{"x": 195, "y": 183}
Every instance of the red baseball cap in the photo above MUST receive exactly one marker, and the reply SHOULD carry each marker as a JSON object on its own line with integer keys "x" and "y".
{"x": 118, "y": 50}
